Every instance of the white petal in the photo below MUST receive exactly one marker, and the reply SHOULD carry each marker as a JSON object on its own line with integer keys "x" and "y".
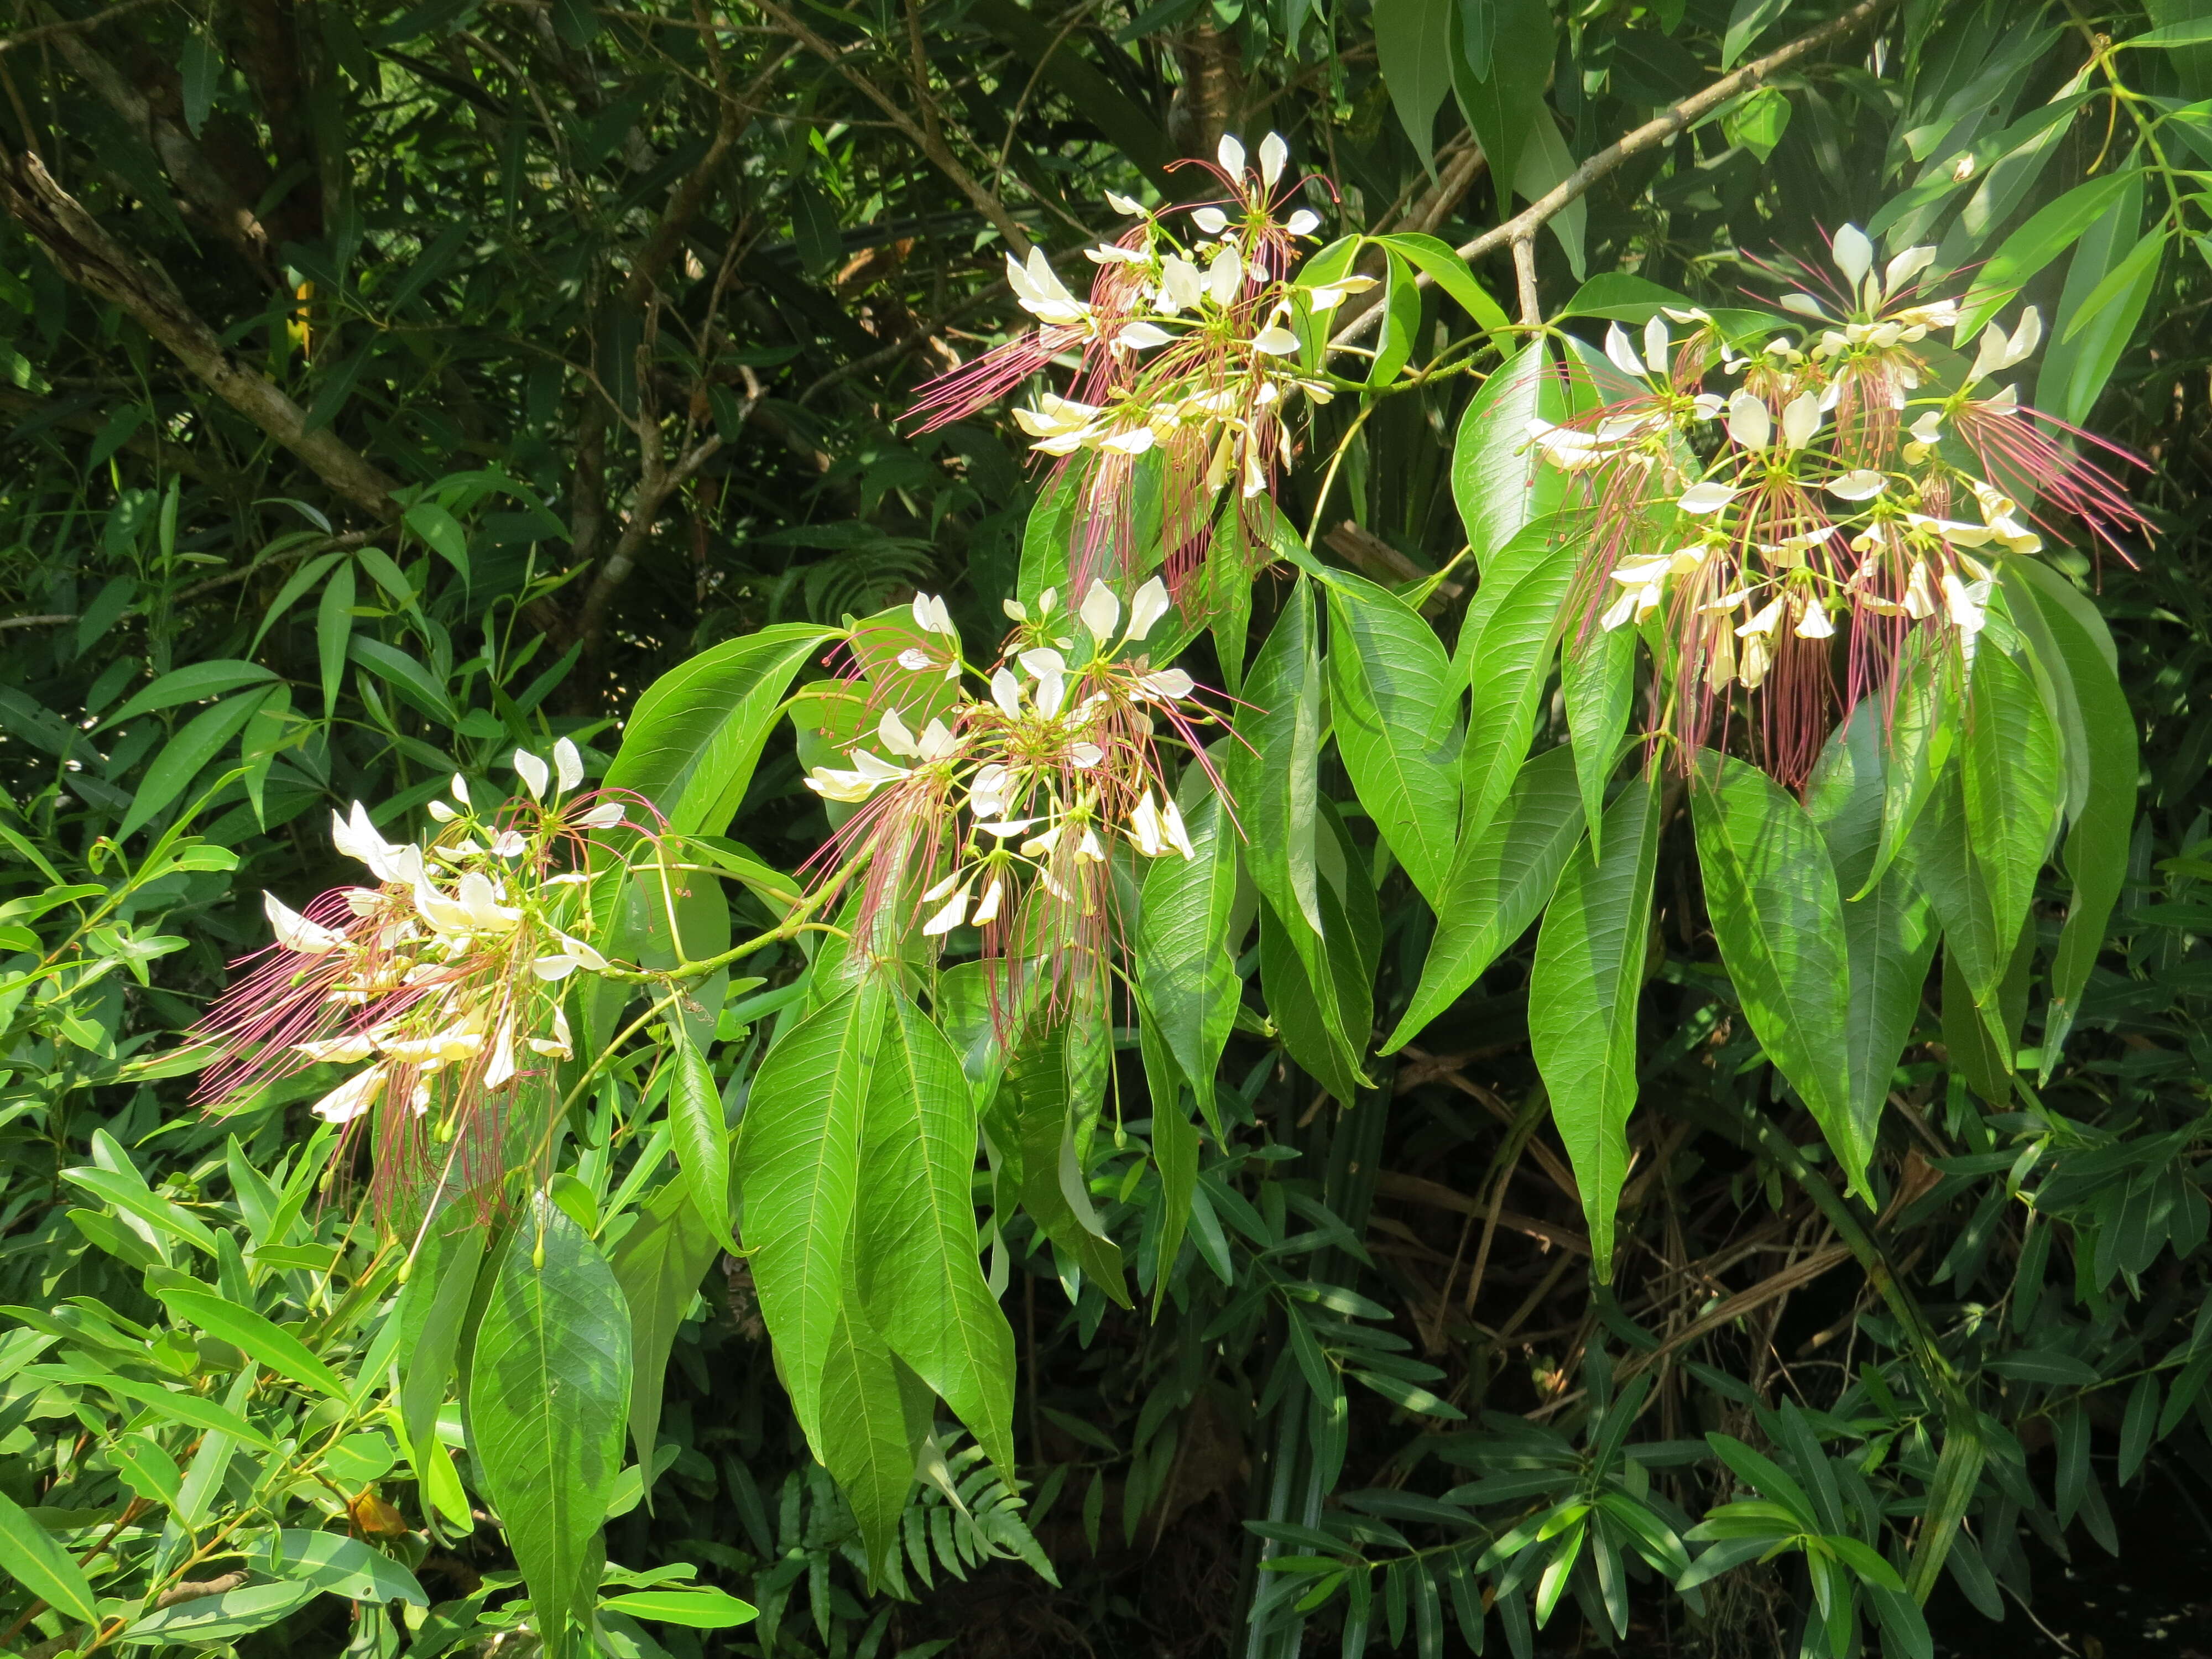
{"x": 1142, "y": 336}
{"x": 1276, "y": 341}
{"x": 1622, "y": 353}
{"x": 1224, "y": 276}
{"x": 351, "y": 1098}
{"x": 1749, "y": 421}
{"x": 1231, "y": 154}
{"x": 460, "y": 789}
{"x": 1304, "y": 223}
{"x": 295, "y": 932}
{"x": 1124, "y": 206}
{"x": 1211, "y": 220}
{"x": 1905, "y": 266}
{"x": 554, "y": 967}
{"x": 1656, "y": 341}
{"x": 891, "y": 731}
{"x": 1854, "y": 255}
{"x": 1803, "y": 304}
{"x": 1146, "y": 606}
{"x": 604, "y": 816}
{"x": 1006, "y": 692}
{"x": 567, "y": 765}
{"x": 533, "y": 772}
{"x": 1171, "y": 684}
{"x": 1708, "y": 497}
{"x": 441, "y": 813}
{"x": 1800, "y": 418}
{"x": 949, "y": 917}
{"x": 1099, "y": 611}
{"x": 1860, "y": 485}
{"x": 1275, "y": 155}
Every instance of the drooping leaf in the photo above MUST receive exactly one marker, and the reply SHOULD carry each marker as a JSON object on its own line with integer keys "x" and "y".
{"x": 1582, "y": 1003}
{"x": 262, "y": 1340}
{"x": 701, "y": 1134}
{"x": 867, "y": 1447}
{"x": 917, "y": 1248}
{"x": 1396, "y": 715}
{"x": 1412, "y": 43}
{"x": 1771, "y": 891}
{"x": 1498, "y": 883}
{"x": 1499, "y": 479}
{"x": 549, "y": 1394}
{"x": 1047, "y": 1086}
{"x": 658, "y": 1265}
{"x": 690, "y": 744}
{"x": 1507, "y": 666}
{"x": 1184, "y": 968}
{"x": 43, "y": 1567}
{"x": 799, "y": 1162}
{"x": 2009, "y": 770}
{"x": 1889, "y": 935}
{"x": 1596, "y": 679}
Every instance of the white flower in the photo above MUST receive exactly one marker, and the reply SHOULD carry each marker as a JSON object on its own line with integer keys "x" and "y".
{"x": 1748, "y": 423}
{"x": 1326, "y": 296}
{"x": 1854, "y": 255}
{"x": 460, "y": 789}
{"x": 1275, "y": 340}
{"x": 1861, "y": 484}
{"x": 1124, "y": 206}
{"x": 931, "y": 617}
{"x": 1168, "y": 685}
{"x": 1231, "y": 154}
{"x": 295, "y": 932}
{"x": 568, "y": 764}
{"x": 1708, "y": 497}
{"x": 604, "y": 816}
{"x": 1172, "y": 825}
{"x": 1800, "y": 417}
{"x": 1815, "y": 624}
{"x": 1040, "y": 293}
{"x": 356, "y": 837}
{"x": 1658, "y": 355}
{"x": 1146, "y": 606}
{"x": 1006, "y": 692}
{"x": 891, "y": 731}
{"x": 1968, "y": 603}
{"x": 1803, "y": 304}
{"x": 1211, "y": 220}
{"x": 441, "y": 813}
{"x": 561, "y": 1045}
{"x": 1274, "y": 157}
{"x": 1622, "y": 353}
{"x": 1084, "y": 756}
{"x": 352, "y": 1097}
{"x": 1141, "y": 336}
{"x": 987, "y": 908}
{"x": 501, "y": 1070}
{"x": 1564, "y": 446}
{"x": 954, "y": 913}
{"x": 1099, "y": 611}
{"x": 533, "y": 772}
{"x": 1144, "y": 827}
{"x": 1180, "y": 286}
{"x": 868, "y": 773}
{"x": 1224, "y": 275}
{"x": 1304, "y": 223}
{"x": 508, "y": 844}
{"x": 1999, "y": 351}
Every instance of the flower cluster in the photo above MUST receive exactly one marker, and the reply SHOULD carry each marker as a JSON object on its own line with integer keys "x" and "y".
{"x": 442, "y": 982}
{"x": 1854, "y": 493}
{"x": 1187, "y": 354}
{"x": 1000, "y": 812}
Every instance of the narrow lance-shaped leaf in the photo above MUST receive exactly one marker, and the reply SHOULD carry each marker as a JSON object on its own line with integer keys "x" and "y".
{"x": 869, "y": 1450}
{"x": 1771, "y": 891}
{"x": 1184, "y": 968}
{"x": 1500, "y": 882}
{"x": 701, "y": 1134}
{"x": 917, "y": 1249}
{"x": 1396, "y": 715}
{"x": 1889, "y": 935}
{"x": 1582, "y": 1003}
{"x": 548, "y": 1393}
{"x": 1507, "y": 667}
{"x": 799, "y": 1162}
{"x": 1596, "y": 682}
{"x": 658, "y": 1265}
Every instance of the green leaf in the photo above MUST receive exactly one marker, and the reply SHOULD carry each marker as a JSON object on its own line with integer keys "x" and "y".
{"x": 209, "y": 1620}
{"x": 917, "y": 1249}
{"x": 701, "y": 1134}
{"x": 1889, "y": 935}
{"x": 691, "y": 743}
{"x": 42, "y": 1566}
{"x": 1921, "y": 733}
{"x": 658, "y": 1265}
{"x": 869, "y": 1450}
{"x": 440, "y": 532}
{"x": 798, "y": 1165}
{"x": 1048, "y": 1086}
{"x": 335, "y": 1565}
{"x": 1272, "y": 773}
{"x": 1502, "y": 98}
{"x": 1771, "y": 891}
{"x": 1508, "y": 665}
{"x": 333, "y": 634}
{"x": 1499, "y": 479}
{"x": 703, "y": 1608}
{"x": 1396, "y": 715}
{"x": 147, "y": 1468}
{"x": 406, "y": 676}
{"x": 1440, "y": 261}
{"x": 189, "y": 1409}
{"x": 432, "y": 1312}
{"x": 195, "y": 683}
{"x": 202, "y": 65}
{"x": 2013, "y": 786}
{"x": 2096, "y": 847}
{"x": 2094, "y": 321}
{"x": 276, "y": 1348}
{"x": 1185, "y": 970}
{"x": 130, "y": 1194}
{"x": 1500, "y": 882}
{"x": 2047, "y": 234}
{"x": 1582, "y": 1003}
{"x": 1411, "y": 48}
{"x": 548, "y": 1393}
{"x": 1596, "y": 680}
{"x": 179, "y": 761}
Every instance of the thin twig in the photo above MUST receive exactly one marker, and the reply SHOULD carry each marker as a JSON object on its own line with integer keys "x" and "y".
{"x": 68, "y": 24}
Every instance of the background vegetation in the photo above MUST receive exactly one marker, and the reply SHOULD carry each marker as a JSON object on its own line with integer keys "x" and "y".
{"x": 387, "y": 386}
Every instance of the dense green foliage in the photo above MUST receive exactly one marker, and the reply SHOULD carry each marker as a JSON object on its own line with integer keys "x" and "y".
{"x": 1723, "y": 1201}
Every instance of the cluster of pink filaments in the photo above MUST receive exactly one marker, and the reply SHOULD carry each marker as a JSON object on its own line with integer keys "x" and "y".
{"x": 1856, "y": 500}
{"x": 1188, "y": 356}
{"x": 1001, "y": 812}
{"x": 442, "y": 984}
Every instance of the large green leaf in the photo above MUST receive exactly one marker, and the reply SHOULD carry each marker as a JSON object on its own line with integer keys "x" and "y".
{"x": 658, "y": 1265}
{"x": 180, "y": 759}
{"x": 1507, "y": 666}
{"x": 799, "y": 1157}
{"x": 1412, "y": 42}
{"x": 917, "y": 1251}
{"x": 1500, "y": 881}
{"x": 1185, "y": 971}
{"x": 548, "y": 1393}
{"x": 1499, "y": 478}
{"x": 1048, "y": 1085}
{"x": 1771, "y": 891}
{"x": 261, "y": 1339}
{"x": 870, "y": 1451}
{"x": 1352, "y": 947}
{"x": 700, "y": 1133}
{"x": 2109, "y": 280}
{"x": 1596, "y": 681}
{"x": 2013, "y": 784}
{"x": 1889, "y": 935}
{"x": 690, "y": 744}
{"x": 1582, "y": 1003}
{"x": 2096, "y": 847}
{"x": 432, "y": 1311}
{"x": 43, "y": 1567}
{"x": 1396, "y": 715}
